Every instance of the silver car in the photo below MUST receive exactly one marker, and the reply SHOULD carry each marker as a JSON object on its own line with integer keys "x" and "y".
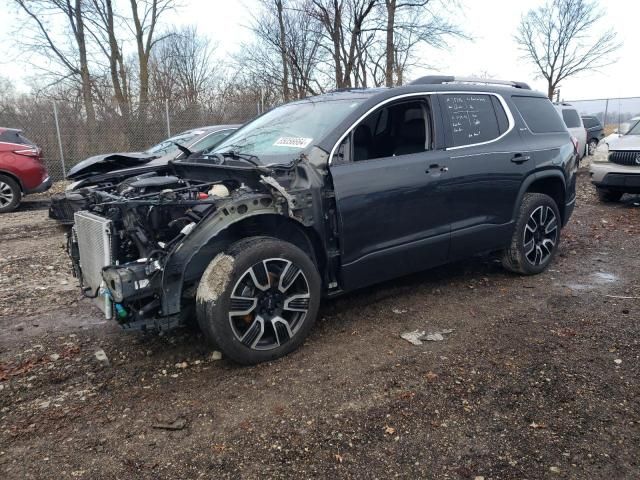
{"x": 619, "y": 172}
{"x": 575, "y": 126}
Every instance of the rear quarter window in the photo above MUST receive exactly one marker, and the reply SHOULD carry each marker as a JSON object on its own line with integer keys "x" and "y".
{"x": 11, "y": 136}
{"x": 571, "y": 118}
{"x": 539, "y": 114}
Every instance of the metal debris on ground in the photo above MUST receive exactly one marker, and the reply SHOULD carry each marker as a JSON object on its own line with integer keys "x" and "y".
{"x": 417, "y": 337}
{"x": 101, "y": 357}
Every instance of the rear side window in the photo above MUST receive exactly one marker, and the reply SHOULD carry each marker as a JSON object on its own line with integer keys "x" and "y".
{"x": 470, "y": 119}
{"x": 590, "y": 122}
{"x": 12, "y": 136}
{"x": 571, "y": 118}
{"x": 539, "y": 114}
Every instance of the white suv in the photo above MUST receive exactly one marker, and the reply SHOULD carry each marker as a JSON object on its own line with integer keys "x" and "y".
{"x": 575, "y": 126}
{"x": 619, "y": 173}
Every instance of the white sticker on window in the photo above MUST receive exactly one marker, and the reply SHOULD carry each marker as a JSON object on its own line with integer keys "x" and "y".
{"x": 295, "y": 142}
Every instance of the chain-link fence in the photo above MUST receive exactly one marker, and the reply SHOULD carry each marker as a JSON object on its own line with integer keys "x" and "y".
{"x": 613, "y": 113}
{"x": 65, "y": 136}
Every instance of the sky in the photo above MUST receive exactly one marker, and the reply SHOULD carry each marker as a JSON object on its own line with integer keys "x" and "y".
{"x": 491, "y": 23}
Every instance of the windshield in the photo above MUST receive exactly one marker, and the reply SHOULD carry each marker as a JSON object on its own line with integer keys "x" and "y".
{"x": 168, "y": 145}
{"x": 289, "y": 130}
{"x": 635, "y": 130}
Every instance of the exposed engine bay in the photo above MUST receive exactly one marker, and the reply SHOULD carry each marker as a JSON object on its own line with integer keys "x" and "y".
{"x": 137, "y": 239}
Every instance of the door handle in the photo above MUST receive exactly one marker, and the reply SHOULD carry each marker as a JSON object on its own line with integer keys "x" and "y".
{"x": 434, "y": 168}
{"x": 520, "y": 158}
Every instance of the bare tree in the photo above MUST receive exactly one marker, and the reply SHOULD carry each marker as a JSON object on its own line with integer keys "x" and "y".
{"x": 410, "y": 23}
{"x": 559, "y": 38}
{"x": 74, "y": 61}
{"x": 344, "y": 23}
{"x": 285, "y": 53}
{"x": 181, "y": 66}
{"x": 102, "y": 17}
{"x": 146, "y": 14}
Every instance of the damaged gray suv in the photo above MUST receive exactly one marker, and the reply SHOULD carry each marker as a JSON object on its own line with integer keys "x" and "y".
{"x": 323, "y": 196}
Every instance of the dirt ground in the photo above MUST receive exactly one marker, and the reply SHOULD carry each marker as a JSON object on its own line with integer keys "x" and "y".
{"x": 540, "y": 377}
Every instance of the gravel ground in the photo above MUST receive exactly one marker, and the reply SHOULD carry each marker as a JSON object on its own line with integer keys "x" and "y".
{"x": 539, "y": 378}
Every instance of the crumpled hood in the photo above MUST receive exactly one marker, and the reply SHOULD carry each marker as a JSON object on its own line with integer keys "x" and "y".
{"x": 625, "y": 142}
{"x": 108, "y": 162}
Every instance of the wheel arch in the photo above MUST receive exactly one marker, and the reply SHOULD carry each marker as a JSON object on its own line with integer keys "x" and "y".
{"x": 13, "y": 177}
{"x": 549, "y": 182}
{"x": 188, "y": 262}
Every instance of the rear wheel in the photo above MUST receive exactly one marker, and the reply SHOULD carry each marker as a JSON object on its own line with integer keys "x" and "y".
{"x": 10, "y": 194}
{"x": 258, "y": 300}
{"x": 593, "y": 144}
{"x": 536, "y": 236}
{"x": 609, "y": 195}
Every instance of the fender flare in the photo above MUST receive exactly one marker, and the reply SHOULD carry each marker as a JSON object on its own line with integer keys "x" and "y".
{"x": 533, "y": 177}
{"x": 228, "y": 214}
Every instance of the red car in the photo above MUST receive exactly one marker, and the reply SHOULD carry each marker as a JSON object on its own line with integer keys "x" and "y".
{"x": 21, "y": 169}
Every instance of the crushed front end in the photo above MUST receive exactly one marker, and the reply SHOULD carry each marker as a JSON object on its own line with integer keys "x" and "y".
{"x": 139, "y": 249}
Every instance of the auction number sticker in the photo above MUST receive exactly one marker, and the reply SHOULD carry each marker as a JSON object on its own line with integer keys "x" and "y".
{"x": 295, "y": 142}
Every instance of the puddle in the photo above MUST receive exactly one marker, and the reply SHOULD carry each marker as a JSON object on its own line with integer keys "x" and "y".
{"x": 604, "y": 277}
{"x": 596, "y": 279}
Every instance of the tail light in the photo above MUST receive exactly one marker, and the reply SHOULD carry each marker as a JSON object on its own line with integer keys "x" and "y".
{"x": 28, "y": 152}
{"x": 574, "y": 140}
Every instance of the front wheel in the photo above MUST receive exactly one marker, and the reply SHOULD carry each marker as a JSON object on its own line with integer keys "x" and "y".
{"x": 258, "y": 300}
{"x": 536, "y": 236}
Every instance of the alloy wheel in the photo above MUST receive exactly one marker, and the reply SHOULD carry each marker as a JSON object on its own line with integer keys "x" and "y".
{"x": 269, "y": 303}
{"x": 540, "y": 235}
{"x": 6, "y": 194}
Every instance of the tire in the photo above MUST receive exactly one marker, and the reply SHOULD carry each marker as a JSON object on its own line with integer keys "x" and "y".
{"x": 263, "y": 321}
{"x": 531, "y": 251}
{"x": 593, "y": 144}
{"x": 10, "y": 194}
{"x": 609, "y": 196}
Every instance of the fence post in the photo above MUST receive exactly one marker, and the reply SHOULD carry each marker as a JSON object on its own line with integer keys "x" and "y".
{"x": 261, "y": 100}
{"x": 606, "y": 110}
{"x": 166, "y": 109}
{"x": 55, "y": 117}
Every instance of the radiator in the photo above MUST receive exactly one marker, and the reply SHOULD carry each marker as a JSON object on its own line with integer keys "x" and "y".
{"x": 95, "y": 246}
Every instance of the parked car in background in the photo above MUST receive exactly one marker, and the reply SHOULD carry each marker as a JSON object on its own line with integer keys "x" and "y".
{"x": 575, "y": 126}
{"x": 105, "y": 170}
{"x": 620, "y": 172}
{"x": 194, "y": 140}
{"x": 595, "y": 132}
{"x": 326, "y": 195}
{"x": 22, "y": 170}
{"x": 621, "y": 130}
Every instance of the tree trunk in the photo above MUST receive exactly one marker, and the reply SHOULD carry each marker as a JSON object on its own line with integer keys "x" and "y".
{"x": 391, "y": 14}
{"x": 85, "y": 76}
{"x": 550, "y": 90}
{"x": 283, "y": 52}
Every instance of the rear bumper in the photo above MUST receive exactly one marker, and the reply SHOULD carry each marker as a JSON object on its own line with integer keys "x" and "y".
{"x": 43, "y": 187}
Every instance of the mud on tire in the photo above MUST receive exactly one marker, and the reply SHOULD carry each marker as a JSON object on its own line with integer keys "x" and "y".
{"x": 258, "y": 300}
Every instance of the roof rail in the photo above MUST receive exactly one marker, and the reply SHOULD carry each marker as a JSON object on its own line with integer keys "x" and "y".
{"x": 440, "y": 79}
